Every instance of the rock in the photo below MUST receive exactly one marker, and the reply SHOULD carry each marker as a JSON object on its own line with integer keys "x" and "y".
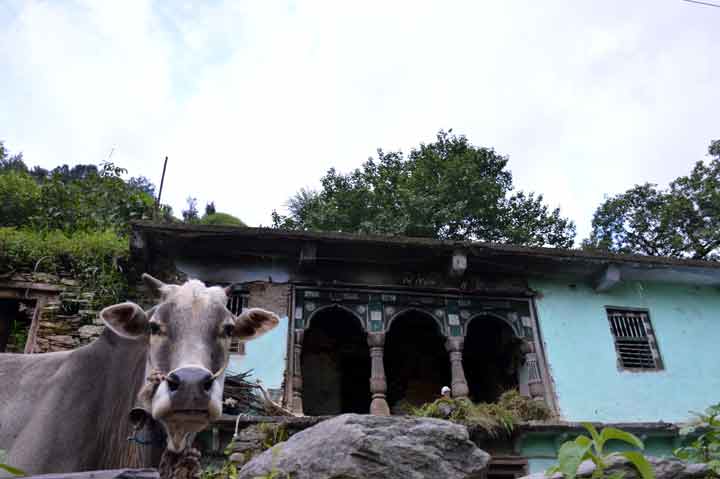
{"x": 354, "y": 446}
{"x": 247, "y": 444}
{"x": 665, "y": 468}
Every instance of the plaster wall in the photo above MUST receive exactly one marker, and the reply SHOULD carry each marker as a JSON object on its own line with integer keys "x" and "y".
{"x": 583, "y": 362}
{"x": 265, "y": 356}
{"x": 234, "y": 272}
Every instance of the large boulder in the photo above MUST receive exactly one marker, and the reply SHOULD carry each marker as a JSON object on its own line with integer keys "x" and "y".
{"x": 354, "y": 446}
{"x": 665, "y": 468}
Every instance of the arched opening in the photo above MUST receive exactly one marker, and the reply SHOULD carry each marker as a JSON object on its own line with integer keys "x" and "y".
{"x": 416, "y": 362}
{"x": 335, "y": 365}
{"x": 491, "y": 358}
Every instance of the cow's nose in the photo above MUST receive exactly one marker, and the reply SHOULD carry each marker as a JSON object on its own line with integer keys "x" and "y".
{"x": 190, "y": 380}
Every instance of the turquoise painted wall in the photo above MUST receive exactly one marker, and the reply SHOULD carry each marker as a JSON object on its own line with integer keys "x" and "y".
{"x": 265, "y": 356}
{"x": 582, "y": 358}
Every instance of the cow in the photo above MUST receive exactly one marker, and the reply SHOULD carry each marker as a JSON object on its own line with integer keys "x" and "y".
{"x": 69, "y": 411}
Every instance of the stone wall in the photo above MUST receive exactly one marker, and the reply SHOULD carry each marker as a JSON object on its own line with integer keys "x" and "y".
{"x": 274, "y": 297}
{"x": 66, "y": 318}
{"x": 68, "y": 321}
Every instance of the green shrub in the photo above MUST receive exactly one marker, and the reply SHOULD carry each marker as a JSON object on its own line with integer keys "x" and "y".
{"x": 95, "y": 258}
{"x": 274, "y": 434}
{"x": 524, "y": 408}
{"x": 702, "y": 440}
{"x": 584, "y": 448}
{"x": 493, "y": 418}
{"x": 221, "y": 219}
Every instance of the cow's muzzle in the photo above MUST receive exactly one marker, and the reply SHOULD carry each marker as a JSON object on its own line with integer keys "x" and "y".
{"x": 190, "y": 389}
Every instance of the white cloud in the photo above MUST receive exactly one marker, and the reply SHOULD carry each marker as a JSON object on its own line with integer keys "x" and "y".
{"x": 253, "y": 100}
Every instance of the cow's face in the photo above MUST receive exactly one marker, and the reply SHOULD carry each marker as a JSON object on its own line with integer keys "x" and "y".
{"x": 188, "y": 334}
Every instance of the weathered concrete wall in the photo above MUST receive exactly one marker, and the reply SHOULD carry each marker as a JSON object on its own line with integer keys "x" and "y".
{"x": 583, "y": 361}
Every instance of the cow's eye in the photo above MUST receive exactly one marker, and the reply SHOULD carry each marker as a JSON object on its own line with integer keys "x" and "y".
{"x": 228, "y": 329}
{"x": 154, "y": 328}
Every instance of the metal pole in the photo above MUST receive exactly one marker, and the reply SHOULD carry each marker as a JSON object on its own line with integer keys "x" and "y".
{"x": 162, "y": 181}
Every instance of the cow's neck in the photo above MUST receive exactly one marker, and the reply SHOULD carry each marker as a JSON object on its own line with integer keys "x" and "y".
{"x": 119, "y": 378}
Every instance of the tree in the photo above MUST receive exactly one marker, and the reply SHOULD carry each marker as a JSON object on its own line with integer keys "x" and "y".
{"x": 19, "y": 197}
{"x": 682, "y": 220}
{"x": 142, "y": 184}
{"x": 88, "y": 199}
{"x": 72, "y": 199}
{"x": 11, "y": 163}
{"x": 210, "y": 208}
{"x": 190, "y": 215}
{"x": 447, "y": 189}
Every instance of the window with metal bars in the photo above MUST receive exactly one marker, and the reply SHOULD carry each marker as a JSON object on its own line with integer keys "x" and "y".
{"x": 236, "y": 303}
{"x": 634, "y": 340}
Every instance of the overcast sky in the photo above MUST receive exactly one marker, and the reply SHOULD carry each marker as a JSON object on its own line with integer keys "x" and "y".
{"x": 253, "y": 100}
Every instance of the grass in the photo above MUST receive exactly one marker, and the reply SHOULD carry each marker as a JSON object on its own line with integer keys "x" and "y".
{"x": 495, "y": 419}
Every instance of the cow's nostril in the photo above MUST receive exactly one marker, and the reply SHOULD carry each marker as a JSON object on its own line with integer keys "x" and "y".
{"x": 173, "y": 382}
{"x": 208, "y": 384}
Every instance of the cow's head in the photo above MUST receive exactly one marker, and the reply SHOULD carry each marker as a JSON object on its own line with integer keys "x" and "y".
{"x": 188, "y": 334}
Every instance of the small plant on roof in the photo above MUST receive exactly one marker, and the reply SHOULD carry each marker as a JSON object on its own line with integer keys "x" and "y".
{"x": 584, "y": 448}
{"x": 702, "y": 438}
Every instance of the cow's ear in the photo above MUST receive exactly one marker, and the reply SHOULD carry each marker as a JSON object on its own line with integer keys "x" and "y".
{"x": 125, "y": 319}
{"x": 254, "y": 322}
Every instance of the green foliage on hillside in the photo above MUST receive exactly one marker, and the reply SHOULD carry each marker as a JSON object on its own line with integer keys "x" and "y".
{"x": 96, "y": 258}
{"x": 19, "y": 198}
{"x": 100, "y": 200}
{"x": 71, "y": 221}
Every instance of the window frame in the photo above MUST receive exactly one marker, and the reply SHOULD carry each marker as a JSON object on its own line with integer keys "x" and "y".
{"x": 649, "y": 336}
{"x": 237, "y": 347}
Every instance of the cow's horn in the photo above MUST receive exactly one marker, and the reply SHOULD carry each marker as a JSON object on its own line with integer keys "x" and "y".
{"x": 154, "y": 284}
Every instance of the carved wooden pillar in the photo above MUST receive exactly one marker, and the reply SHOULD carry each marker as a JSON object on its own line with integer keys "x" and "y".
{"x": 378, "y": 384}
{"x": 459, "y": 387}
{"x": 529, "y": 379}
{"x": 297, "y": 403}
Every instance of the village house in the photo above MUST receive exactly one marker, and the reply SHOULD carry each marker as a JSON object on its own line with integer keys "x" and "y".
{"x": 371, "y": 323}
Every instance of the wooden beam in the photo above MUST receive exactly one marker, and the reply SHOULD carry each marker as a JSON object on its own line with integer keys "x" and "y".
{"x": 607, "y": 279}
{"x": 52, "y": 288}
{"x": 458, "y": 263}
{"x": 35, "y": 325}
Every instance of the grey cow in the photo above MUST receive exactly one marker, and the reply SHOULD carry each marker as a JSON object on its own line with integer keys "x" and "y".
{"x": 69, "y": 411}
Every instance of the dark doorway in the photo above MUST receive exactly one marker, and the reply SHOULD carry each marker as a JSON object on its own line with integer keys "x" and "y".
{"x": 491, "y": 358}
{"x": 416, "y": 362}
{"x": 15, "y": 319}
{"x": 335, "y": 365}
